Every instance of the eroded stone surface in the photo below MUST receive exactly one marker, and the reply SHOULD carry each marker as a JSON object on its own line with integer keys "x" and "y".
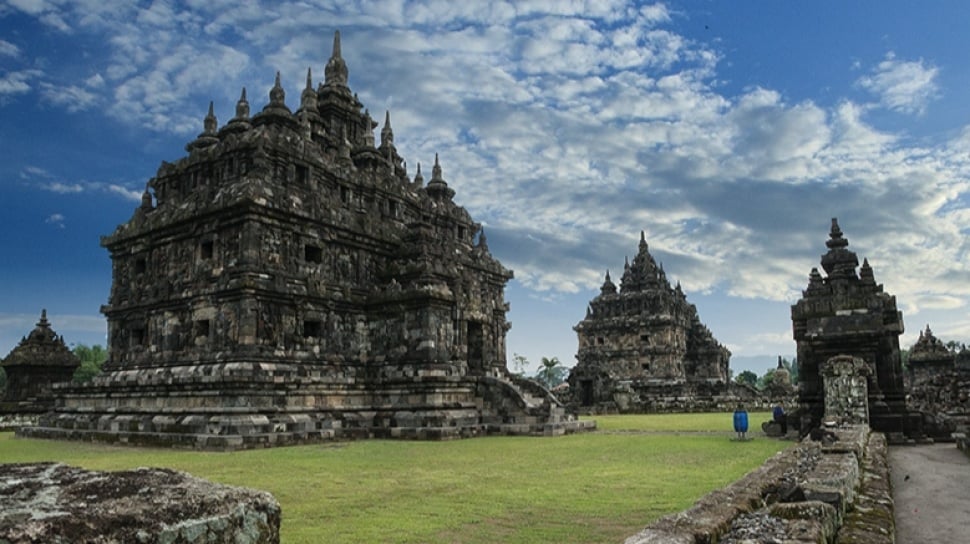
{"x": 57, "y": 504}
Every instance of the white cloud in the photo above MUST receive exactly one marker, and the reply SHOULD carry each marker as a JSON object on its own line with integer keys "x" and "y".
{"x": 905, "y": 86}
{"x": 70, "y": 97}
{"x": 8, "y": 49}
{"x": 17, "y": 82}
{"x": 55, "y": 219}
{"x": 47, "y": 181}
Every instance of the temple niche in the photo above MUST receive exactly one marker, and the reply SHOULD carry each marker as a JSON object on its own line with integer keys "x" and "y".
{"x": 847, "y": 315}
{"x": 643, "y": 348}
{"x": 40, "y": 360}
{"x": 288, "y": 280}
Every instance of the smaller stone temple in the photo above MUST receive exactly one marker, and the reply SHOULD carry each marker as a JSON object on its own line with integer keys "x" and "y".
{"x": 842, "y": 318}
{"x": 39, "y": 360}
{"x": 938, "y": 383}
{"x": 928, "y": 358}
{"x": 643, "y": 348}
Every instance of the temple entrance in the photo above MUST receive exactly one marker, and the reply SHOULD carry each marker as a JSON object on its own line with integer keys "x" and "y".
{"x": 586, "y": 392}
{"x": 476, "y": 341}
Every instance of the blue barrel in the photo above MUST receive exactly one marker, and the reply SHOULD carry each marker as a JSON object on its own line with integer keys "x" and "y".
{"x": 740, "y": 421}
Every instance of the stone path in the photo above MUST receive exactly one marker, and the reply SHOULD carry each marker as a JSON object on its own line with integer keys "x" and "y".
{"x": 931, "y": 489}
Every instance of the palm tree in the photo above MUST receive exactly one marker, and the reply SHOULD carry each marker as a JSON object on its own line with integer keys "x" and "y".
{"x": 551, "y": 372}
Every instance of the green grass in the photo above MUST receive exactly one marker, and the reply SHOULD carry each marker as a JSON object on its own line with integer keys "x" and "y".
{"x": 593, "y": 487}
{"x": 672, "y": 423}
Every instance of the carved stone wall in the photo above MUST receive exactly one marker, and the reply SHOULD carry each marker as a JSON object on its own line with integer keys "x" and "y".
{"x": 845, "y": 382}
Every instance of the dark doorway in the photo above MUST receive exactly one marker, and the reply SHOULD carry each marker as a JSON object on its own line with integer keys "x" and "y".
{"x": 586, "y": 392}
{"x": 475, "y": 347}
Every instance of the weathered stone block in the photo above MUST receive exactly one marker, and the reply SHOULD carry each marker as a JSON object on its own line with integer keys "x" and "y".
{"x": 58, "y": 504}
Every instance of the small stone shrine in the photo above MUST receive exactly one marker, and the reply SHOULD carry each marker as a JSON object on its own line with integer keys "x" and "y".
{"x": 38, "y": 361}
{"x": 928, "y": 357}
{"x": 288, "y": 281}
{"x": 939, "y": 385}
{"x": 642, "y": 347}
{"x": 848, "y": 314}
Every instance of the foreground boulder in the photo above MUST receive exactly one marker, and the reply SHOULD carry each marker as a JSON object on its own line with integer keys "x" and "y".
{"x": 54, "y": 503}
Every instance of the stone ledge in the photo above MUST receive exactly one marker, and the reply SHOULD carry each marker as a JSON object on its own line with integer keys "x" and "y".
{"x": 872, "y": 519}
{"x": 848, "y": 477}
{"x": 57, "y": 504}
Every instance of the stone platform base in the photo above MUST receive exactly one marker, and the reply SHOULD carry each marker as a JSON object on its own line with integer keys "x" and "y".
{"x": 58, "y": 504}
{"x": 252, "y": 406}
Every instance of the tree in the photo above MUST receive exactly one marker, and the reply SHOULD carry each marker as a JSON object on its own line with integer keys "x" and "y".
{"x": 551, "y": 372}
{"x": 765, "y": 381}
{"x": 748, "y": 378}
{"x": 519, "y": 364}
{"x": 3, "y": 380}
{"x": 91, "y": 360}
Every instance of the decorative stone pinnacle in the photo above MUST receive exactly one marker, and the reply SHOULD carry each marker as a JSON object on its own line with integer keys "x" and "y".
{"x": 418, "y": 178}
{"x": 387, "y": 134}
{"x": 835, "y": 236}
{"x": 277, "y": 96}
{"x": 336, "y": 72}
{"x": 210, "y": 122}
{"x": 436, "y": 170}
{"x": 242, "y": 106}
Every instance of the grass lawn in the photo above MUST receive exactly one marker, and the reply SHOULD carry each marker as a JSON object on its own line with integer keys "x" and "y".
{"x": 593, "y": 487}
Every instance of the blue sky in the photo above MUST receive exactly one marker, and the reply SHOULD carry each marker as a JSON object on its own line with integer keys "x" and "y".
{"x": 730, "y": 132}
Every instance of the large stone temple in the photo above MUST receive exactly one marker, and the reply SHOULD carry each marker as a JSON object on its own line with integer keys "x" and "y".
{"x": 846, "y": 324}
{"x": 643, "y": 348}
{"x": 287, "y": 280}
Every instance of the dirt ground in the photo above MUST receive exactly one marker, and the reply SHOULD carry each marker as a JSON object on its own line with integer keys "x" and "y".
{"x": 931, "y": 489}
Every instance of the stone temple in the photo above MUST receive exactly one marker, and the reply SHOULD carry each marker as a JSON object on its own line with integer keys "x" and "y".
{"x": 846, "y": 324}
{"x": 287, "y": 281}
{"x": 33, "y": 366}
{"x": 643, "y": 348}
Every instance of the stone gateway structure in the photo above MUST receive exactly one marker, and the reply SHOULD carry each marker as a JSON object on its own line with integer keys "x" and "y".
{"x": 287, "y": 280}
{"x": 643, "y": 348}
{"x": 847, "y": 314}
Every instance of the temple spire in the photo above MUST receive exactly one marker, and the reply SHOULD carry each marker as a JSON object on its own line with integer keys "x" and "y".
{"x": 210, "y": 122}
{"x": 437, "y": 187}
{"x": 277, "y": 96}
{"x": 336, "y": 72}
{"x": 208, "y": 136}
{"x": 418, "y": 178}
{"x": 242, "y": 107}
{"x": 387, "y": 134}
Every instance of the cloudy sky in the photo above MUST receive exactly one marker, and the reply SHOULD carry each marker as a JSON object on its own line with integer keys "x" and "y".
{"x": 729, "y": 132}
